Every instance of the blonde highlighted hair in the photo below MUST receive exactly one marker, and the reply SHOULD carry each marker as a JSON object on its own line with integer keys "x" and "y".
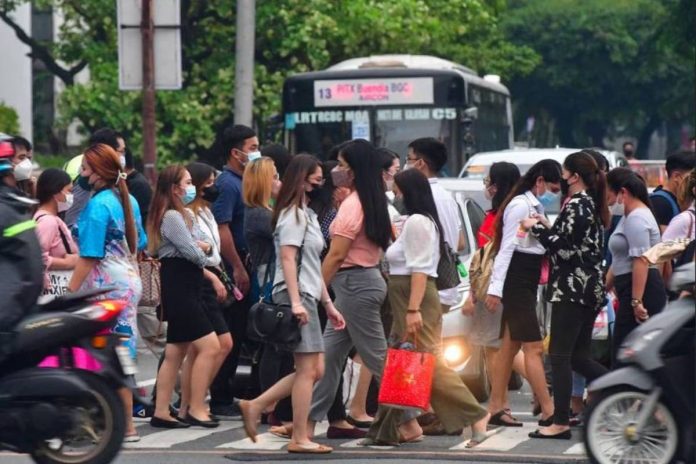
{"x": 258, "y": 183}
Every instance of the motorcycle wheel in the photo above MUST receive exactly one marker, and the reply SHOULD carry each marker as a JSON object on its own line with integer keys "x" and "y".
{"x": 610, "y": 436}
{"x": 97, "y": 435}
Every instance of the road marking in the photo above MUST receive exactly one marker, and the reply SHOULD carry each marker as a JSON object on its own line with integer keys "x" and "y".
{"x": 505, "y": 439}
{"x": 147, "y": 383}
{"x": 578, "y": 448}
{"x": 268, "y": 441}
{"x": 169, "y": 438}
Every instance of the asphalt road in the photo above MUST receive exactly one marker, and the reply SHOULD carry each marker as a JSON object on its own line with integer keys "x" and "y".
{"x": 228, "y": 443}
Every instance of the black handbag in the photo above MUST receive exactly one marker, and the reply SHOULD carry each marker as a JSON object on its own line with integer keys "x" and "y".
{"x": 447, "y": 272}
{"x": 274, "y": 323}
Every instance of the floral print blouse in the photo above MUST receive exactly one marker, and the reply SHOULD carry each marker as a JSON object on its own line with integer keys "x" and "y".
{"x": 575, "y": 243}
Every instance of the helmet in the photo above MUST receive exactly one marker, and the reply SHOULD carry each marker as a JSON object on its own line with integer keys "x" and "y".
{"x": 6, "y": 153}
{"x": 73, "y": 166}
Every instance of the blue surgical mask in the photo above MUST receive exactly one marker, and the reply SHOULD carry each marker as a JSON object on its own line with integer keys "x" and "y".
{"x": 548, "y": 198}
{"x": 190, "y": 194}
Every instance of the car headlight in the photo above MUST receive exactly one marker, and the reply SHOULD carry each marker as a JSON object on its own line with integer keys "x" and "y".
{"x": 454, "y": 353}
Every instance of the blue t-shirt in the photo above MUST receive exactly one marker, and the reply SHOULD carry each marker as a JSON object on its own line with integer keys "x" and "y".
{"x": 101, "y": 227}
{"x": 229, "y": 207}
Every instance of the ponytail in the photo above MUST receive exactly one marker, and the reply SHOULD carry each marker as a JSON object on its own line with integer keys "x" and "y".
{"x": 131, "y": 230}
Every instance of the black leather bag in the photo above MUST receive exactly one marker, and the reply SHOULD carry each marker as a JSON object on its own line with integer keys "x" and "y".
{"x": 447, "y": 272}
{"x": 274, "y": 323}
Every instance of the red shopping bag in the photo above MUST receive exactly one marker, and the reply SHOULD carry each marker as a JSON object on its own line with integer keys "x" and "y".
{"x": 407, "y": 379}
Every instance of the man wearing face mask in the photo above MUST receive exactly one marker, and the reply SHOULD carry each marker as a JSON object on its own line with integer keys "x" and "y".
{"x": 81, "y": 190}
{"x": 629, "y": 151}
{"x": 23, "y": 165}
{"x": 20, "y": 254}
{"x": 240, "y": 145}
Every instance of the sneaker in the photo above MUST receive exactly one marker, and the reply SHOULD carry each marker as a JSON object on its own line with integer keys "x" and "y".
{"x": 222, "y": 411}
{"x": 142, "y": 411}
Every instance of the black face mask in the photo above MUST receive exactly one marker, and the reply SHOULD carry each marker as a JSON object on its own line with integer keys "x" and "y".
{"x": 628, "y": 153}
{"x": 210, "y": 194}
{"x": 564, "y": 187}
{"x": 315, "y": 193}
{"x": 84, "y": 184}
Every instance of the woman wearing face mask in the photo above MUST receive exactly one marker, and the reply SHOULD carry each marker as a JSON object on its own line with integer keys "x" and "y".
{"x": 53, "y": 193}
{"x": 297, "y": 230}
{"x": 485, "y": 330}
{"x": 576, "y": 283}
{"x": 213, "y": 291}
{"x": 514, "y": 282}
{"x": 639, "y": 286}
{"x": 110, "y": 235}
{"x": 184, "y": 251}
{"x": 360, "y": 233}
{"x": 391, "y": 165}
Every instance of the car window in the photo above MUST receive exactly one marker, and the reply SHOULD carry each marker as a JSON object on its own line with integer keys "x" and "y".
{"x": 475, "y": 217}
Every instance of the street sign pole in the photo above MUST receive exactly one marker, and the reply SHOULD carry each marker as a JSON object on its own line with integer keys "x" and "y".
{"x": 149, "y": 116}
{"x": 244, "y": 67}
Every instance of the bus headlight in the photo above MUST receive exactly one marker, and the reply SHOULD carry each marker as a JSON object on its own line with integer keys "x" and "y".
{"x": 454, "y": 353}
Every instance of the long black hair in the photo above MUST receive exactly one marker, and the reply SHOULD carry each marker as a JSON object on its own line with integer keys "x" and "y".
{"x": 548, "y": 169}
{"x": 624, "y": 178}
{"x": 322, "y": 204}
{"x": 366, "y": 164}
{"x": 584, "y": 165}
{"x": 504, "y": 176}
{"x": 418, "y": 196}
{"x": 292, "y": 192}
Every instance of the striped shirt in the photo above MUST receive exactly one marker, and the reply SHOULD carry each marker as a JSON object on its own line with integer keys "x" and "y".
{"x": 179, "y": 241}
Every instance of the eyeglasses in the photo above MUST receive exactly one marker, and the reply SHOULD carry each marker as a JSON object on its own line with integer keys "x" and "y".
{"x": 411, "y": 159}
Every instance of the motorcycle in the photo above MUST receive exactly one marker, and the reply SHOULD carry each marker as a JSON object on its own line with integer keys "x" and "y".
{"x": 643, "y": 412}
{"x": 64, "y": 414}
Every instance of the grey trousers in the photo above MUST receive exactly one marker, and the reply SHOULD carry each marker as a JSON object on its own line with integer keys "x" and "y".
{"x": 359, "y": 297}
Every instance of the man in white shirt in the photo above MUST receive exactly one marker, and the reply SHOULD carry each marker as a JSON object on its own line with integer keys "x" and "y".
{"x": 429, "y": 156}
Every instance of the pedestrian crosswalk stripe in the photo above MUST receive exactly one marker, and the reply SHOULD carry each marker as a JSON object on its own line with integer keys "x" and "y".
{"x": 169, "y": 438}
{"x": 268, "y": 441}
{"x": 578, "y": 448}
{"x": 504, "y": 440}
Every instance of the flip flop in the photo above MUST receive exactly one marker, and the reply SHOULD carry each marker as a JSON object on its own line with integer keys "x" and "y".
{"x": 131, "y": 438}
{"x": 281, "y": 431}
{"x": 480, "y": 437}
{"x": 313, "y": 448}
{"x": 497, "y": 419}
{"x": 249, "y": 424}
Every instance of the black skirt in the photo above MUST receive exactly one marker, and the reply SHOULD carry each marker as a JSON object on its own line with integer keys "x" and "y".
{"x": 213, "y": 308}
{"x": 520, "y": 298}
{"x": 654, "y": 300}
{"x": 182, "y": 283}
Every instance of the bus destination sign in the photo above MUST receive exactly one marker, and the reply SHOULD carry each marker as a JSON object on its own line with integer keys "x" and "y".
{"x": 367, "y": 92}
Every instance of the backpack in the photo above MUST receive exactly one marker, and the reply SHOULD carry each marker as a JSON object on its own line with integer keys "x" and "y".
{"x": 672, "y": 203}
{"x": 480, "y": 271}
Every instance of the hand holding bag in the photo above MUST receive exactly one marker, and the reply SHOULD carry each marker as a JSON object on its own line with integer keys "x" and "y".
{"x": 407, "y": 379}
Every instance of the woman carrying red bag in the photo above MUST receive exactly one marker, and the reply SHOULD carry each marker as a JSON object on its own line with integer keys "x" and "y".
{"x": 413, "y": 259}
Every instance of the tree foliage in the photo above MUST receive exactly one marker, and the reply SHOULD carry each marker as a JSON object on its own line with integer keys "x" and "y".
{"x": 604, "y": 65}
{"x": 9, "y": 120}
{"x": 291, "y": 36}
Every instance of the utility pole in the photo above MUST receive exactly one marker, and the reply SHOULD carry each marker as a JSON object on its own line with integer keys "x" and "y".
{"x": 147, "y": 27}
{"x": 244, "y": 66}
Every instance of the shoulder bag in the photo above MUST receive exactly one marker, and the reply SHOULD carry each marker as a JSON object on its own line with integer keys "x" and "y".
{"x": 274, "y": 323}
{"x": 481, "y": 270}
{"x": 447, "y": 272}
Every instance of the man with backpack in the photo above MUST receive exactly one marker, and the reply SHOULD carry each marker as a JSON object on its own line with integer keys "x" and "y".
{"x": 664, "y": 199}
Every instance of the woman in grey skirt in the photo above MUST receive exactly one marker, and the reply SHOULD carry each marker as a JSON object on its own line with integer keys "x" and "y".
{"x": 297, "y": 230}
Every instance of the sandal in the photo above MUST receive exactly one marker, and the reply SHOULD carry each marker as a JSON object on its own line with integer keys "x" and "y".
{"x": 416, "y": 439}
{"x": 281, "y": 431}
{"x": 497, "y": 419}
{"x": 479, "y": 437}
{"x": 134, "y": 438}
{"x": 310, "y": 448}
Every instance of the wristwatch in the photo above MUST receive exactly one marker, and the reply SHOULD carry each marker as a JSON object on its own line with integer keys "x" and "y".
{"x": 635, "y": 302}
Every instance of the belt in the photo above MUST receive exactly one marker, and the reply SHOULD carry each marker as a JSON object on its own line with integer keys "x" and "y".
{"x": 352, "y": 268}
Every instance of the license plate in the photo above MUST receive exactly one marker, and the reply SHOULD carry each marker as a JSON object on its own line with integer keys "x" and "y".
{"x": 127, "y": 363}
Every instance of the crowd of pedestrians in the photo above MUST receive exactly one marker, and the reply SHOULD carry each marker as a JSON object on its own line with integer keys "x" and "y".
{"x": 352, "y": 245}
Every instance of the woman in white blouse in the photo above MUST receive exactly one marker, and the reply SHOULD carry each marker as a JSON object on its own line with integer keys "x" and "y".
{"x": 415, "y": 304}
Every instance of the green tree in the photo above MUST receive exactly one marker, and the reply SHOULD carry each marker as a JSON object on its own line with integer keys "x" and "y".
{"x": 291, "y": 36}
{"x": 9, "y": 121}
{"x": 605, "y": 65}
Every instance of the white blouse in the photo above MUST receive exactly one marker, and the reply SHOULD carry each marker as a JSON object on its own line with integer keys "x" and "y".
{"x": 417, "y": 249}
{"x": 208, "y": 226}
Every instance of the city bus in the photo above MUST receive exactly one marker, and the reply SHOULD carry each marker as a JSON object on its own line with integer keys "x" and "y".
{"x": 394, "y": 99}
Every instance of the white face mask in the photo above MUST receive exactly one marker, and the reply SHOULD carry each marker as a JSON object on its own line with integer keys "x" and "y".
{"x": 67, "y": 204}
{"x": 23, "y": 170}
{"x": 122, "y": 161}
{"x": 616, "y": 209}
{"x": 253, "y": 156}
{"x": 407, "y": 166}
{"x": 389, "y": 184}
{"x": 488, "y": 193}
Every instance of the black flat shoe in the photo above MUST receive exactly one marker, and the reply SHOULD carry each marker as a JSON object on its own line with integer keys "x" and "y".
{"x": 167, "y": 424}
{"x": 546, "y": 422}
{"x": 208, "y": 424}
{"x": 359, "y": 424}
{"x": 214, "y": 418}
{"x": 565, "y": 435}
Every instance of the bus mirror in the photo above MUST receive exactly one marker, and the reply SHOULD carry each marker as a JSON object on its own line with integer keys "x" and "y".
{"x": 470, "y": 114}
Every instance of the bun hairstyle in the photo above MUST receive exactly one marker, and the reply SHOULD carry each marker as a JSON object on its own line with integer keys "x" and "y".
{"x": 105, "y": 162}
{"x": 584, "y": 165}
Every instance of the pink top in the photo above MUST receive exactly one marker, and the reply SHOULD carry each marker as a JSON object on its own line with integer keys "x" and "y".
{"x": 48, "y": 228}
{"x": 349, "y": 223}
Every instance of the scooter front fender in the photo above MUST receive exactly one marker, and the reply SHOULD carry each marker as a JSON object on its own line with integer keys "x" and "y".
{"x": 630, "y": 375}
